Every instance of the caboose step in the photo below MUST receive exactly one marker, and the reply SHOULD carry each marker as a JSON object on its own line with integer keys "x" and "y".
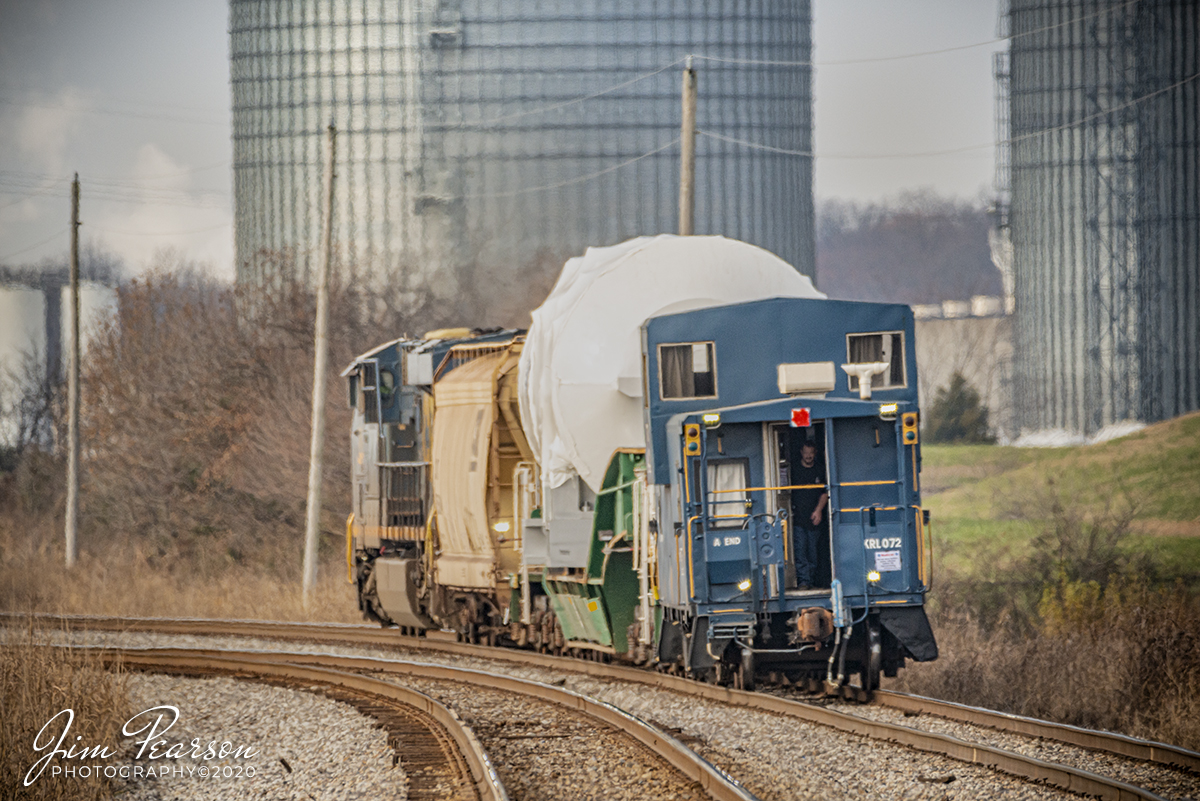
{"x": 816, "y": 592}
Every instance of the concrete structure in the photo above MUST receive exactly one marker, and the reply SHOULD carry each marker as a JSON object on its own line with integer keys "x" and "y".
{"x": 495, "y": 133}
{"x": 979, "y": 347}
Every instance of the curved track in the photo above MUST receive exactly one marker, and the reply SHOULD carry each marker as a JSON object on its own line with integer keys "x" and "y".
{"x": 1108, "y": 742}
{"x": 444, "y": 758}
{"x": 347, "y": 672}
{"x": 1059, "y": 775}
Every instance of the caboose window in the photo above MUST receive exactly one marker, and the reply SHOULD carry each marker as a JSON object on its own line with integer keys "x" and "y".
{"x": 885, "y": 346}
{"x": 728, "y": 501}
{"x": 687, "y": 370}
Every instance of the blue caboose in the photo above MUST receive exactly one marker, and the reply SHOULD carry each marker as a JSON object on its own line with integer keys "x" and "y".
{"x": 755, "y": 414}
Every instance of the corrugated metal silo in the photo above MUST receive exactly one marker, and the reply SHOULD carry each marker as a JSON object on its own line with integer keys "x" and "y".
{"x": 1105, "y": 210}
{"x": 462, "y": 139}
{"x": 22, "y": 327}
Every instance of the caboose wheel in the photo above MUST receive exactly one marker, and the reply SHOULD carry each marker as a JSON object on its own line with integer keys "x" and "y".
{"x": 873, "y": 659}
{"x": 744, "y": 680}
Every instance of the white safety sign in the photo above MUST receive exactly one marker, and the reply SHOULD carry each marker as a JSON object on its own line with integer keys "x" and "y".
{"x": 887, "y": 561}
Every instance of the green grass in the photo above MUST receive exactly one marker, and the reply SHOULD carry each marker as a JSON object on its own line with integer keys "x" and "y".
{"x": 986, "y": 499}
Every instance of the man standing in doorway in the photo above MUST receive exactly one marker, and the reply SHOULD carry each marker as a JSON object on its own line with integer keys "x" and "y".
{"x": 808, "y": 509}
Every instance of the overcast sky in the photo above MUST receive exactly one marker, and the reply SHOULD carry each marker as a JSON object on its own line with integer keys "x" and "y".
{"x": 134, "y": 95}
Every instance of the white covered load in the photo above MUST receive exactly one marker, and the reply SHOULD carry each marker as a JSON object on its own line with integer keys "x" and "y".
{"x": 581, "y": 373}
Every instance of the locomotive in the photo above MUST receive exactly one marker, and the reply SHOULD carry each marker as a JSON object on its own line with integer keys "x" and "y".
{"x": 637, "y": 476}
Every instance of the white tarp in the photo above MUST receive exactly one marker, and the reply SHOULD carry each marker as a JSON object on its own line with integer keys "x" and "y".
{"x": 581, "y": 374}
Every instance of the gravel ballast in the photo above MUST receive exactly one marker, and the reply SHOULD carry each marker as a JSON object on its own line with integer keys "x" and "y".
{"x": 775, "y": 756}
{"x": 307, "y": 746}
{"x": 1171, "y": 783}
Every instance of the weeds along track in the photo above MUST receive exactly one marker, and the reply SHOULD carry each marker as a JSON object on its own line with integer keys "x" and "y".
{"x": 1160, "y": 771}
{"x": 533, "y": 738}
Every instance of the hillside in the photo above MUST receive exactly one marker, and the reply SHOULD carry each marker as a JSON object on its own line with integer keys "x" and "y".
{"x": 1065, "y": 581}
{"x": 988, "y": 502}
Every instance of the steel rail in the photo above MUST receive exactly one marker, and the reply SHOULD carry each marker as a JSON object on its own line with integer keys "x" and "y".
{"x": 1108, "y": 742}
{"x": 482, "y": 774}
{"x": 1062, "y": 776}
{"x": 333, "y": 669}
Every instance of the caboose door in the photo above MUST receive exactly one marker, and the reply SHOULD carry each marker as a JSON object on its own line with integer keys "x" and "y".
{"x": 801, "y": 487}
{"x": 870, "y": 547}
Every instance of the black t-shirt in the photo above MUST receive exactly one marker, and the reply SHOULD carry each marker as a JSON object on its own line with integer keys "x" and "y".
{"x": 805, "y": 500}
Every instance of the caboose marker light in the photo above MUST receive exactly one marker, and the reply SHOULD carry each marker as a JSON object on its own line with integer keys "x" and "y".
{"x": 801, "y": 418}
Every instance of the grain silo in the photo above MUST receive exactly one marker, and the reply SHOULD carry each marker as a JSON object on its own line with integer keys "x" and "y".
{"x": 1105, "y": 210}
{"x": 497, "y": 132}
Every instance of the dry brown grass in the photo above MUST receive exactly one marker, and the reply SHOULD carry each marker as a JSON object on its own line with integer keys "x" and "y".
{"x": 37, "y": 683}
{"x": 133, "y": 581}
{"x": 1126, "y": 659}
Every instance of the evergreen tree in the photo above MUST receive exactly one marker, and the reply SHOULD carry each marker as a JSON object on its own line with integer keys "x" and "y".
{"x": 957, "y": 414}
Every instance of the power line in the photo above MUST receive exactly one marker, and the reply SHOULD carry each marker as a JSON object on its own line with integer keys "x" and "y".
{"x": 162, "y": 233}
{"x": 32, "y": 247}
{"x": 580, "y": 179}
{"x": 109, "y": 112}
{"x": 582, "y": 98}
{"x": 155, "y": 199}
{"x": 26, "y": 89}
{"x": 40, "y": 192}
{"x": 952, "y": 151}
{"x": 903, "y": 56}
{"x": 755, "y": 145}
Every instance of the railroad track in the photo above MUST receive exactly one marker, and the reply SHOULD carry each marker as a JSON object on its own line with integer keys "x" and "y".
{"x": 1022, "y": 765}
{"x": 442, "y": 757}
{"x": 1108, "y": 742}
{"x": 348, "y": 679}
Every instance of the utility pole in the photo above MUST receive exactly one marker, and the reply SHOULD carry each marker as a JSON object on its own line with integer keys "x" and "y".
{"x": 687, "y": 152}
{"x": 312, "y": 517}
{"x": 73, "y": 385}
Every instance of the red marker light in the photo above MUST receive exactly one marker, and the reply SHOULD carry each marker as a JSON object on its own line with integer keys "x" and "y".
{"x": 801, "y": 418}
